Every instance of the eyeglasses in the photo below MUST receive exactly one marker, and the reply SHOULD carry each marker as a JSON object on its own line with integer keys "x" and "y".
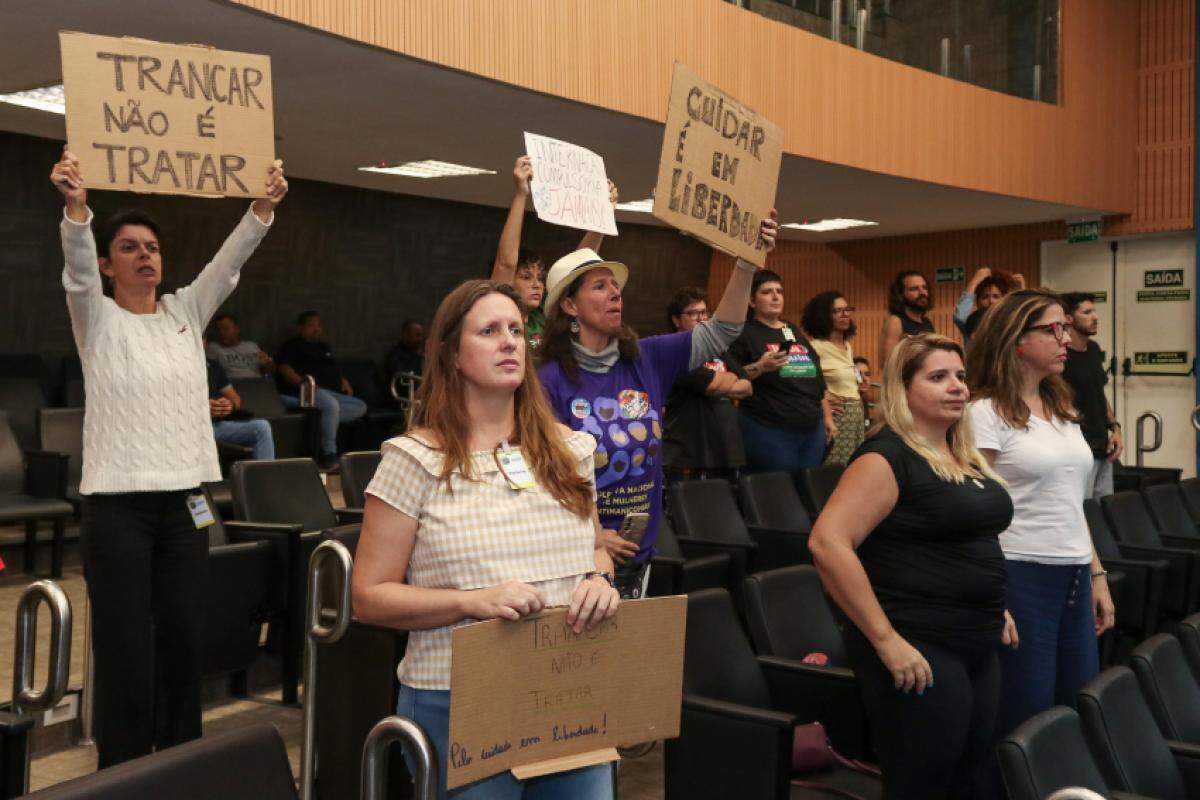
{"x": 845, "y": 310}
{"x": 1058, "y": 330}
{"x": 697, "y": 314}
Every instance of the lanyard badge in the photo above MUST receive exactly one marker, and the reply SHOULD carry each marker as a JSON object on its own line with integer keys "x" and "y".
{"x": 513, "y": 467}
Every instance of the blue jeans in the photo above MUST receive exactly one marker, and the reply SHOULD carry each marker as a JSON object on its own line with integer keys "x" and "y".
{"x": 255, "y": 433}
{"x": 772, "y": 449}
{"x": 336, "y": 408}
{"x": 1052, "y": 607}
{"x": 430, "y": 709}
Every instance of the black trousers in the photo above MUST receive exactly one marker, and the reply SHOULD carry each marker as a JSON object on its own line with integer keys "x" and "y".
{"x": 932, "y": 746}
{"x": 146, "y": 567}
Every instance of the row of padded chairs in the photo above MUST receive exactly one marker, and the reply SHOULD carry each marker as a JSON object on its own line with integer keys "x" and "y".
{"x": 1136, "y": 732}
{"x": 741, "y": 703}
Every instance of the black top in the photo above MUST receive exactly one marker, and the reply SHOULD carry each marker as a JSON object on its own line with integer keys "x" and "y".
{"x": 701, "y": 430}
{"x": 1084, "y": 370}
{"x": 311, "y": 358}
{"x": 935, "y": 561}
{"x": 217, "y": 378}
{"x": 972, "y": 323}
{"x": 401, "y": 359}
{"x": 791, "y": 396}
{"x": 911, "y": 328}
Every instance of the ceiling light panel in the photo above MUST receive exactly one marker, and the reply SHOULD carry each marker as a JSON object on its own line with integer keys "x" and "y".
{"x": 47, "y": 98}
{"x": 829, "y": 224}
{"x": 427, "y": 169}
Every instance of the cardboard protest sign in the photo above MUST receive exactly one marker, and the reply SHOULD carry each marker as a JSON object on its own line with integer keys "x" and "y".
{"x": 570, "y": 186}
{"x": 144, "y": 116}
{"x": 719, "y": 167}
{"x": 534, "y": 697}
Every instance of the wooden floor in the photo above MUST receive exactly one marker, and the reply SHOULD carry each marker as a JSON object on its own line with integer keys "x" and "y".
{"x": 639, "y": 779}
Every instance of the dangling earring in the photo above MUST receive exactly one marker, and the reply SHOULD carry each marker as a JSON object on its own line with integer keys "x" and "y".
{"x": 574, "y": 326}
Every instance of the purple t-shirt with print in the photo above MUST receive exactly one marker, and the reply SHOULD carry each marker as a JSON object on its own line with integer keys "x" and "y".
{"x": 622, "y": 409}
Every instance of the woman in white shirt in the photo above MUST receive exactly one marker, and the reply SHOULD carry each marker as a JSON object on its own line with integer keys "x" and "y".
{"x": 484, "y": 510}
{"x": 147, "y": 446}
{"x": 1026, "y": 426}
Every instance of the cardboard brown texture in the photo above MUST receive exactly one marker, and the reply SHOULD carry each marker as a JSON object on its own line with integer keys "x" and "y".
{"x": 526, "y": 693}
{"x": 145, "y": 116}
{"x": 719, "y": 167}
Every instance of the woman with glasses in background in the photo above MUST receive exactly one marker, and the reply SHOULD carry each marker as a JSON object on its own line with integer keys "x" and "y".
{"x": 1028, "y": 429}
{"x": 828, "y": 319}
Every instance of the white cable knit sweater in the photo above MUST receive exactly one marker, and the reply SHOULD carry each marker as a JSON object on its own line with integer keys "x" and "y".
{"x": 147, "y": 426}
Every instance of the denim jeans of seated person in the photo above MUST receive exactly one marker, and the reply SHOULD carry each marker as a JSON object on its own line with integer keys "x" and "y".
{"x": 430, "y": 708}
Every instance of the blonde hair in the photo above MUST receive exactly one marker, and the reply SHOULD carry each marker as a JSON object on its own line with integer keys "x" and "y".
{"x": 965, "y": 460}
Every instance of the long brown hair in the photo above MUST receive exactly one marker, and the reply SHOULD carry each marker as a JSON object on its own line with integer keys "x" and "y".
{"x": 441, "y": 406}
{"x": 994, "y": 368}
{"x": 902, "y": 365}
{"x": 557, "y": 338}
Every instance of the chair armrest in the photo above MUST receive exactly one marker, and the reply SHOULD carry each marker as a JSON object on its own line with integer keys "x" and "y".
{"x": 1187, "y": 756}
{"x": 736, "y": 711}
{"x": 46, "y": 473}
{"x": 742, "y": 555}
{"x": 11, "y": 724}
{"x": 825, "y": 694}
{"x": 245, "y": 531}
{"x": 1183, "y": 575}
{"x": 779, "y": 548}
{"x": 348, "y": 516}
{"x": 1181, "y": 542}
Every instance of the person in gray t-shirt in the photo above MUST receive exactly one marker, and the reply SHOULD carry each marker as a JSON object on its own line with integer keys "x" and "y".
{"x": 239, "y": 359}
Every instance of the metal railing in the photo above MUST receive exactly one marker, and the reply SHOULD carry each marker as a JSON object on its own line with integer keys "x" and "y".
{"x": 1140, "y": 445}
{"x": 403, "y": 387}
{"x": 26, "y": 701}
{"x": 308, "y": 391}
{"x": 375, "y": 758}
{"x": 1075, "y": 793}
{"x": 329, "y": 554}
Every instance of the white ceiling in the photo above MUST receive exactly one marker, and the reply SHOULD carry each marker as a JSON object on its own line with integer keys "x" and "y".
{"x": 340, "y": 105}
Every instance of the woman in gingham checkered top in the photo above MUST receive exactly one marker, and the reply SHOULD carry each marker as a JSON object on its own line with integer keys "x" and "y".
{"x": 486, "y": 509}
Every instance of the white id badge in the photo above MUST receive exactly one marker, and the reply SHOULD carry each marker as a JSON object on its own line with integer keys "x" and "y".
{"x": 515, "y": 470}
{"x": 787, "y": 334}
{"x": 201, "y": 514}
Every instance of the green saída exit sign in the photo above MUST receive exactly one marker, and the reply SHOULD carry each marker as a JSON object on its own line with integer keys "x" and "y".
{"x": 949, "y": 274}
{"x": 1087, "y": 230}
{"x": 1161, "y": 358}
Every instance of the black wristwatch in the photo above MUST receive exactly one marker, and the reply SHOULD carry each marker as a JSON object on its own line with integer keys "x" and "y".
{"x": 608, "y": 576}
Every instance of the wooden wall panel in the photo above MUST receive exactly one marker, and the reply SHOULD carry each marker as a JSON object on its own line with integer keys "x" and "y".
{"x": 835, "y": 103}
{"x": 1166, "y": 118}
{"x": 862, "y": 270}
{"x": 365, "y": 260}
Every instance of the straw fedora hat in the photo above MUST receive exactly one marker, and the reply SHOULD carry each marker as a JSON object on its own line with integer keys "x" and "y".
{"x": 570, "y": 267}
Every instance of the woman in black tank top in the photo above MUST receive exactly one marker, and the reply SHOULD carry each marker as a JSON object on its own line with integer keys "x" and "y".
{"x": 907, "y": 547}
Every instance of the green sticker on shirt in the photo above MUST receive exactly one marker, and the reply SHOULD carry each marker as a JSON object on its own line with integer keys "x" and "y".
{"x": 804, "y": 370}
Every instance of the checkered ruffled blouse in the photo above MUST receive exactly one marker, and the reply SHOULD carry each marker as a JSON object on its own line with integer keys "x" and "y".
{"x": 480, "y": 533}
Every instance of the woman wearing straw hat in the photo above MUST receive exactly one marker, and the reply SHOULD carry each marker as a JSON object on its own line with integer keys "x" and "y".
{"x": 601, "y": 378}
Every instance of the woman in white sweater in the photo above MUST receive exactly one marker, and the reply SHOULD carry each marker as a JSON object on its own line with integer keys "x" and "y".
{"x": 147, "y": 447}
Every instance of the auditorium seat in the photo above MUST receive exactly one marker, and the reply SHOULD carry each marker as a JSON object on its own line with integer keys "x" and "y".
{"x": 1189, "y": 490}
{"x": 1126, "y": 742}
{"x": 247, "y": 588}
{"x": 383, "y": 419}
{"x": 1146, "y": 578}
{"x": 1188, "y": 633}
{"x": 1046, "y": 753}
{"x": 21, "y": 398}
{"x": 816, "y": 485}
{"x": 789, "y": 617}
{"x": 739, "y": 713}
{"x": 60, "y": 430}
{"x": 1165, "y": 502}
{"x": 1170, "y": 688}
{"x": 705, "y": 515}
{"x": 294, "y": 432}
{"x": 770, "y": 499}
{"x": 289, "y": 491}
{"x": 246, "y": 763}
{"x": 356, "y": 473}
{"x": 673, "y": 572}
{"x": 33, "y": 486}
{"x": 1139, "y": 539}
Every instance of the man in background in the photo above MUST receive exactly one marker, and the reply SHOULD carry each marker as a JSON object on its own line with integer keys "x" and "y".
{"x": 1085, "y": 372}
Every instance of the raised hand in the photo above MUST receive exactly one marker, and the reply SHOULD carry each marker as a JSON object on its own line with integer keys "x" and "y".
{"x": 277, "y": 189}
{"x": 67, "y": 178}
{"x": 523, "y": 174}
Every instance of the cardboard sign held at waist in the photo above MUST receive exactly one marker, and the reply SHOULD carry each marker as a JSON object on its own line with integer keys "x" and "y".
{"x": 145, "y": 116}
{"x": 719, "y": 167}
{"x": 535, "y": 697}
